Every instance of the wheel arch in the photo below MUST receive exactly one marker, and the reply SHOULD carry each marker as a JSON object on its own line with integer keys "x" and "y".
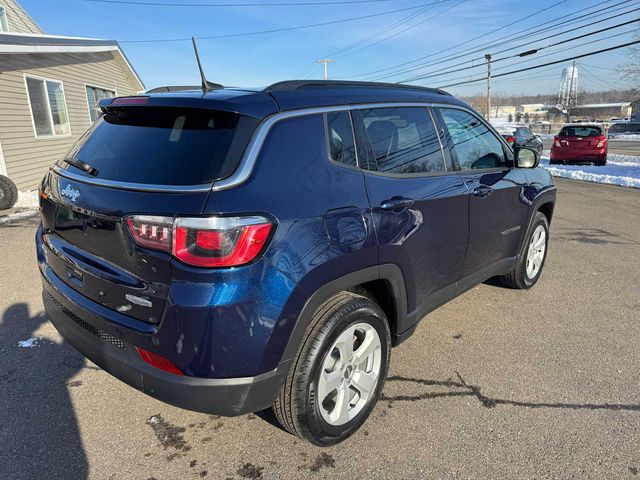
{"x": 383, "y": 283}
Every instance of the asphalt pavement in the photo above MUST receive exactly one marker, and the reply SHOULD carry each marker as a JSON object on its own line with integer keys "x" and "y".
{"x": 496, "y": 384}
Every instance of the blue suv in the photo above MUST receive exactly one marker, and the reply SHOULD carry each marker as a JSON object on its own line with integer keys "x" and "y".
{"x": 231, "y": 250}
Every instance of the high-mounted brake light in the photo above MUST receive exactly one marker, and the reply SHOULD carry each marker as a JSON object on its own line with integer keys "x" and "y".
{"x": 122, "y": 101}
{"x": 203, "y": 242}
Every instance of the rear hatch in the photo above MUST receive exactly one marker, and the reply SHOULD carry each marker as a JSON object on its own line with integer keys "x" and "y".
{"x": 579, "y": 140}
{"x": 154, "y": 161}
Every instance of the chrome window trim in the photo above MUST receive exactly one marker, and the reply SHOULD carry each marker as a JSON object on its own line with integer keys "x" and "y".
{"x": 248, "y": 160}
{"x": 142, "y": 187}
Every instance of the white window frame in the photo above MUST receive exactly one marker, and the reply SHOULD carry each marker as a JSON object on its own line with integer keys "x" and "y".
{"x": 6, "y": 17}
{"x": 50, "y": 116}
{"x": 90, "y": 85}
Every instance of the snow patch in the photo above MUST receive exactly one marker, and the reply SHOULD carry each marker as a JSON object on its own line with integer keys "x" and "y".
{"x": 29, "y": 343}
{"x": 26, "y": 206}
{"x": 27, "y": 199}
{"x": 623, "y": 170}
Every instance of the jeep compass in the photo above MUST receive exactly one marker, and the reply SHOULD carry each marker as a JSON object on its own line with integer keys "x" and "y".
{"x": 232, "y": 250}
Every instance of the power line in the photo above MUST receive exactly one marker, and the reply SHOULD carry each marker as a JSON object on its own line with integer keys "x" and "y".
{"x": 522, "y": 45}
{"x": 241, "y": 4}
{"x": 395, "y": 34}
{"x": 497, "y": 42}
{"x": 554, "y": 53}
{"x": 522, "y": 54}
{"x": 286, "y": 29}
{"x": 616, "y": 47}
{"x": 463, "y": 43}
{"x": 384, "y": 30}
{"x": 518, "y": 36}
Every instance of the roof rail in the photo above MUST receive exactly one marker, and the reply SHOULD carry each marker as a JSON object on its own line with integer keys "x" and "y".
{"x": 289, "y": 85}
{"x": 179, "y": 88}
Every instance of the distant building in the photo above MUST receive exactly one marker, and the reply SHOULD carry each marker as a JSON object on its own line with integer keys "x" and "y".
{"x": 603, "y": 111}
{"x": 531, "y": 108}
{"x": 50, "y": 86}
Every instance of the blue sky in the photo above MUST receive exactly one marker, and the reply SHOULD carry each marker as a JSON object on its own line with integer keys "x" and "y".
{"x": 263, "y": 59}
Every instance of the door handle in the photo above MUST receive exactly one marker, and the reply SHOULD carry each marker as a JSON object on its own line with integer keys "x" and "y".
{"x": 482, "y": 191}
{"x": 396, "y": 203}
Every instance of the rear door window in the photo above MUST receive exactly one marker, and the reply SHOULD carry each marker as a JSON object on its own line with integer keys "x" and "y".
{"x": 580, "y": 132}
{"x": 403, "y": 140}
{"x": 164, "y": 146}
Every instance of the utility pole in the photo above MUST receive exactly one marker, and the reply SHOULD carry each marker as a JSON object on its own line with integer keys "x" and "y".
{"x": 488, "y": 57}
{"x": 326, "y": 61}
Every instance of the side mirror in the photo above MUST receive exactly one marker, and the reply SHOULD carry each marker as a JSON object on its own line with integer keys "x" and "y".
{"x": 526, "y": 157}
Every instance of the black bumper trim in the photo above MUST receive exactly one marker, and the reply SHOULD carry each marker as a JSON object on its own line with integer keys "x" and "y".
{"x": 227, "y": 396}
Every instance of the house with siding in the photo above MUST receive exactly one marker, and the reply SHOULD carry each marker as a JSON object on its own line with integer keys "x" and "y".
{"x": 50, "y": 86}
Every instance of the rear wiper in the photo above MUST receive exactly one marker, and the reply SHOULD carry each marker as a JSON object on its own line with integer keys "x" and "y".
{"x": 84, "y": 166}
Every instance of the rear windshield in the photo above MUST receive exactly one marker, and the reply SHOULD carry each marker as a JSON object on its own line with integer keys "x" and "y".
{"x": 580, "y": 132}
{"x": 164, "y": 146}
{"x": 625, "y": 128}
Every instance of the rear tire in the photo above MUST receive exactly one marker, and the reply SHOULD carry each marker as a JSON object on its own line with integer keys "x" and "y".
{"x": 8, "y": 193}
{"x": 329, "y": 394}
{"x": 528, "y": 268}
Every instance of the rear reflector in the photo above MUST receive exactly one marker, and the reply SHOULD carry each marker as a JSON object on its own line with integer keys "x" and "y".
{"x": 203, "y": 242}
{"x": 158, "y": 361}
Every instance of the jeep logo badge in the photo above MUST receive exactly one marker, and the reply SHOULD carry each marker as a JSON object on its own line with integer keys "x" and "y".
{"x": 70, "y": 192}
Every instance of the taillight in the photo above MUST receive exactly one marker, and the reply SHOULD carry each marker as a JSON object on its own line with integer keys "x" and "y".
{"x": 511, "y": 139}
{"x": 203, "y": 242}
{"x": 556, "y": 142}
{"x": 158, "y": 361}
{"x": 152, "y": 231}
{"x": 602, "y": 141}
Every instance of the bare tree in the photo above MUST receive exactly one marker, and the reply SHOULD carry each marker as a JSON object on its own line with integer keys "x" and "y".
{"x": 630, "y": 70}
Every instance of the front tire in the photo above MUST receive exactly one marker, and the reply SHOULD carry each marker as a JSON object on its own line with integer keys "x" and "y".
{"x": 339, "y": 372}
{"x": 528, "y": 268}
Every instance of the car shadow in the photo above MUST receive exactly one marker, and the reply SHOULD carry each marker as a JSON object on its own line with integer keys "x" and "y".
{"x": 38, "y": 426}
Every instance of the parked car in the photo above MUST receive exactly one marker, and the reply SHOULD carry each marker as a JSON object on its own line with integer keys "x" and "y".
{"x": 620, "y": 129}
{"x": 580, "y": 144}
{"x": 232, "y": 250}
{"x": 522, "y": 137}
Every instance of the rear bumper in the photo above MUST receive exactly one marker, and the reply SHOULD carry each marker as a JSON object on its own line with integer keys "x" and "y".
{"x": 93, "y": 337}
{"x": 577, "y": 157}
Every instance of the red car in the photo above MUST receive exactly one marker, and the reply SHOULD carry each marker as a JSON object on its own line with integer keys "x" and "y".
{"x": 580, "y": 144}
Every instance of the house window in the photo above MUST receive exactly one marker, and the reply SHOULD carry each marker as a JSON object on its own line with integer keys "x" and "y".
{"x": 94, "y": 95}
{"x": 4, "y": 27}
{"x": 48, "y": 107}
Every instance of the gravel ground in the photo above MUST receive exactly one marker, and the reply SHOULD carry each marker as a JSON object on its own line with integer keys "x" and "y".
{"x": 496, "y": 384}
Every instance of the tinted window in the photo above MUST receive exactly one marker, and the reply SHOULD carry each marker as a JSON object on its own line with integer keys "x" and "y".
{"x": 403, "y": 140}
{"x": 475, "y": 145}
{"x": 167, "y": 146}
{"x": 341, "y": 144}
{"x": 580, "y": 132}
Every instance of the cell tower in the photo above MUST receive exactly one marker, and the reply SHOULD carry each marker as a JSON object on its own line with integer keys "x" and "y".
{"x": 568, "y": 96}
